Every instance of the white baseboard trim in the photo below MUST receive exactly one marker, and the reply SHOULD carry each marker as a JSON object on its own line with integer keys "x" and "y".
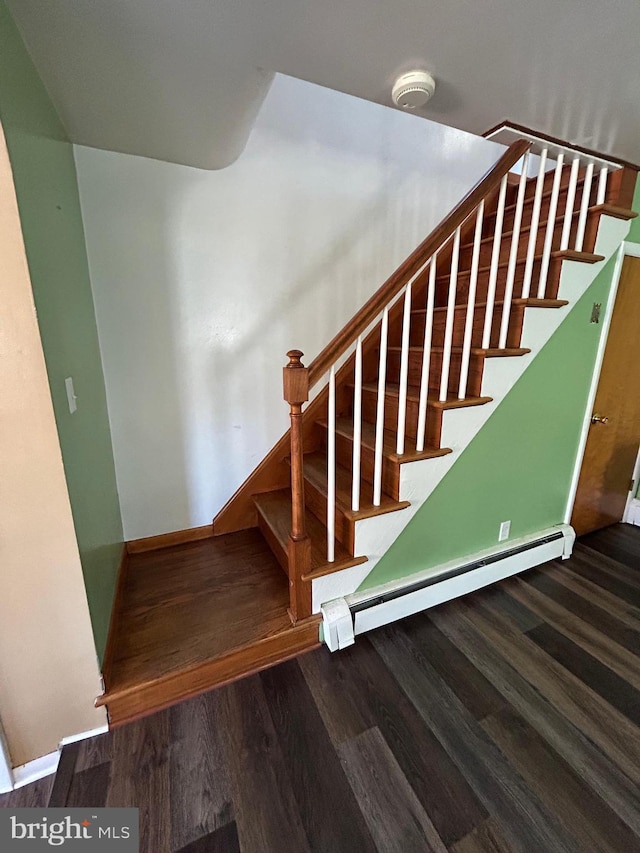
{"x": 36, "y": 769}
{"x": 16, "y": 777}
{"x": 101, "y": 730}
{"x": 632, "y": 512}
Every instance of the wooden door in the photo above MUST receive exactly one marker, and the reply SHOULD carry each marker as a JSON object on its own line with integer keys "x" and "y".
{"x": 612, "y": 446}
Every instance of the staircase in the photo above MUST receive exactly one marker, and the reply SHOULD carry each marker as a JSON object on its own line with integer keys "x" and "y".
{"x": 408, "y": 382}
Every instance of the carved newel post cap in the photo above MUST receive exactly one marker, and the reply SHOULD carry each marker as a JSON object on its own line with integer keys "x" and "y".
{"x": 294, "y": 356}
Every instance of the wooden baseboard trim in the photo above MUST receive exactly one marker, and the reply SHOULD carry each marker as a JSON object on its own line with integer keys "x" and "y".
{"x": 113, "y": 620}
{"x": 166, "y": 540}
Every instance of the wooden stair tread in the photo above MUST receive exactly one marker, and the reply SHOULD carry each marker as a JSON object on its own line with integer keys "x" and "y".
{"x": 560, "y": 254}
{"x": 452, "y": 403}
{"x": 529, "y": 302}
{"x": 275, "y": 508}
{"x": 614, "y": 211}
{"x": 344, "y": 426}
{"x": 491, "y": 352}
{"x": 525, "y": 229}
{"x": 315, "y": 471}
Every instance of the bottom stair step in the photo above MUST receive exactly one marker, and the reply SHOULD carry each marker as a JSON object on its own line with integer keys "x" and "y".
{"x": 274, "y": 519}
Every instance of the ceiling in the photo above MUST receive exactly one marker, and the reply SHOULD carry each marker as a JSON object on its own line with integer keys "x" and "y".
{"x": 182, "y": 80}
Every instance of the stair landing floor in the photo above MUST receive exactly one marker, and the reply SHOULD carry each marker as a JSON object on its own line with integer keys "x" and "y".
{"x": 194, "y": 616}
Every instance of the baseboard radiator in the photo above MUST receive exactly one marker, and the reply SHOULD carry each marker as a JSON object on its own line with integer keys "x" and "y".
{"x": 345, "y": 618}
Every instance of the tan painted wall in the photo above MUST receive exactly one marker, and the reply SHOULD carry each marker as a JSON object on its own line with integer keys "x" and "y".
{"x": 49, "y": 675}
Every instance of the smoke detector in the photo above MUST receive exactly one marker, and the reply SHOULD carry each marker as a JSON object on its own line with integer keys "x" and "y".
{"x": 412, "y": 90}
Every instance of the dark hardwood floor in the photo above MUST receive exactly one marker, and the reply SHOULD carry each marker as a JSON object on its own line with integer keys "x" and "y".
{"x": 504, "y": 721}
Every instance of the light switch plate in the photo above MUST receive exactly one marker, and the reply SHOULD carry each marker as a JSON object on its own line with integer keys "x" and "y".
{"x": 505, "y": 529}
{"x": 71, "y": 395}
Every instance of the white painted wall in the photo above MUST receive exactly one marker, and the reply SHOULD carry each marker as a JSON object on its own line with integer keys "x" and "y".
{"x": 203, "y": 280}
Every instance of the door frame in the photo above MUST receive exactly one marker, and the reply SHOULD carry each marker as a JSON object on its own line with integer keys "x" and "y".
{"x": 626, "y": 250}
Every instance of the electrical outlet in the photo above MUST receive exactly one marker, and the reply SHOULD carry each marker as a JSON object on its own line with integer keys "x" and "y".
{"x": 505, "y": 529}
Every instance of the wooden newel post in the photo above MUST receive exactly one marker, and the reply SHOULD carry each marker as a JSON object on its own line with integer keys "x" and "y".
{"x": 295, "y": 380}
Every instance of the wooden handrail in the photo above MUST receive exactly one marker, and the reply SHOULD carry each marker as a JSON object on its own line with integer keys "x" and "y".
{"x": 355, "y": 327}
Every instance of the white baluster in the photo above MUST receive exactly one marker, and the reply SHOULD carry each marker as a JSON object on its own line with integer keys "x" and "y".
{"x": 533, "y": 228}
{"x": 602, "y": 186}
{"x": 357, "y": 428}
{"x": 448, "y": 329}
{"x": 551, "y": 225}
{"x": 513, "y": 255}
{"x": 404, "y": 371}
{"x": 382, "y": 378}
{"x": 568, "y": 211}
{"x": 331, "y": 468}
{"x": 495, "y": 262}
{"x": 584, "y": 207}
{"x": 426, "y": 357}
{"x": 471, "y": 304}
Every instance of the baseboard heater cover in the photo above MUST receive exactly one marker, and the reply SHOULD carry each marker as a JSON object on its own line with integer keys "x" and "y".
{"x": 345, "y": 618}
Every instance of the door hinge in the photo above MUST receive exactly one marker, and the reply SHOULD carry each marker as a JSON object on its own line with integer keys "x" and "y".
{"x": 632, "y": 483}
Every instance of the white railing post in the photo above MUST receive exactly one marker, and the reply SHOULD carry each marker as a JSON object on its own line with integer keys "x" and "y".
{"x": 533, "y": 228}
{"x": 568, "y": 211}
{"x": 495, "y": 263}
{"x": 382, "y": 381}
{"x": 451, "y": 307}
{"x": 551, "y": 225}
{"x": 602, "y": 186}
{"x": 513, "y": 255}
{"x": 357, "y": 427}
{"x": 584, "y": 207}
{"x": 404, "y": 371}
{"x": 471, "y": 304}
{"x": 331, "y": 468}
{"x": 426, "y": 357}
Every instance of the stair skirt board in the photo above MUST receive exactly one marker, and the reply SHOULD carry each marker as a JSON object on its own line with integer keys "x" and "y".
{"x": 345, "y": 618}
{"x": 374, "y": 536}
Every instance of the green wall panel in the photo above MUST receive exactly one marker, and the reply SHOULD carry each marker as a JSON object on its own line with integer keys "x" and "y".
{"x": 46, "y": 187}
{"x": 519, "y": 466}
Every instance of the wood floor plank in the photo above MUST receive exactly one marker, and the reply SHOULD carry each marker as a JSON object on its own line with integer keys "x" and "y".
{"x": 520, "y": 615}
{"x": 329, "y": 685}
{"x": 329, "y": 811}
{"x": 196, "y": 753}
{"x": 89, "y": 787}
{"x": 266, "y": 811}
{"x": 35, "y": 795}
{"x": 606, "y": 563}
{"x": 589, "y": 612}
{"x": 488, "y": 838}
{"x": 618, "y": 791}
{"x": 618, "y": 542}
{"x": 528, "y": 825}
{"x": 95, "y": 750}
{"x": 617, "y": 607}
{"x": 396, "y": 820}
{"x": 604, "y": 681}
{"x": 222, "y": 840}
{"x": 462, "y": 677}
{"x": 616, "y": 736}
{"x": 610, "y": 653}
{"x": 586, "y": 817}
{"x": 588, "y": 564}
{"x": 64, "y": 775}
{"x": 140, "y": 778}
{"x": 440, "y": 786}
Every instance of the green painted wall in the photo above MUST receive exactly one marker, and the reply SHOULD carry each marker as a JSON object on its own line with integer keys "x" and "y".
{"x": 520, "y": 464}
{"x": 46, "y": 187}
